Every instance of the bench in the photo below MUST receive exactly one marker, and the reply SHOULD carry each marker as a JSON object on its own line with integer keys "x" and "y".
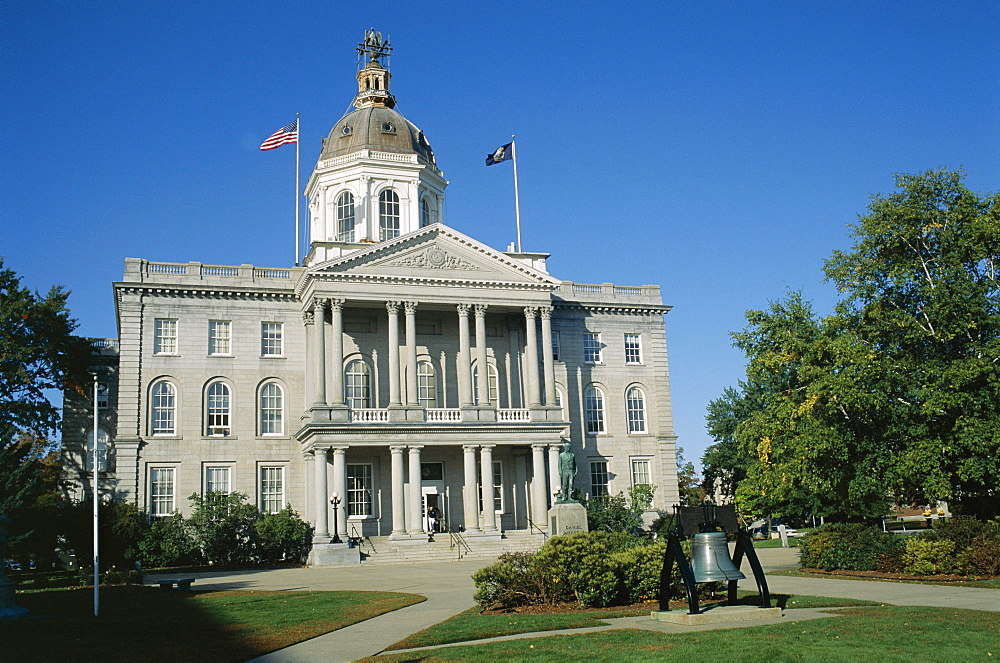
{"x": 183, "y": 584}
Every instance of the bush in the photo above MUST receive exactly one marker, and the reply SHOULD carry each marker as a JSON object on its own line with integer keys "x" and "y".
{"x": 924, "y": 557}
{"x": 637, "y": 570}
{"x": 983, "y": 555}
{"x": 513, "y": 581}
{"x": 962, "y": 530}
{"x": 169, "y": 542}
{"x": 618, "y": 513}
{"x": 849, "y": 547}
{"x": 283, "y": 536}
{"x": 223, "y": 528}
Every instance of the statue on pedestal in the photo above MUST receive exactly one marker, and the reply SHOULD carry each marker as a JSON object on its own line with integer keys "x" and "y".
{"x": 567, "y": 474}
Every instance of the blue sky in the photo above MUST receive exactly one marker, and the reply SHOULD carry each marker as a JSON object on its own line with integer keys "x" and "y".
{"x": 719, "y": 149}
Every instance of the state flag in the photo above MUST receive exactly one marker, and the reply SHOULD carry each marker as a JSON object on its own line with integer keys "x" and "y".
{"x": 502, "y": 153}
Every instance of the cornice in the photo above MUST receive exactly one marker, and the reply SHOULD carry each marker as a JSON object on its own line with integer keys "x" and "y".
{"x": 203, "y": 292}
{"x": 620, "y": 309}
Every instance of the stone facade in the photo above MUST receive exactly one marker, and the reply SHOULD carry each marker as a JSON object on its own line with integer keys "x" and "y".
{"x": 359, "y": 373}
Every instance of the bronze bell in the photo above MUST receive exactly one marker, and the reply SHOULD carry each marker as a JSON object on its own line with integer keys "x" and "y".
{"x": 710, "y": 559}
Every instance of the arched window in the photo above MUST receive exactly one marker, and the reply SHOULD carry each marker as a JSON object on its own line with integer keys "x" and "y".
{"x": 345, "y": 217}
{"x": 357, "y": 385}
{"x": 559, "y": 403}
{"x": 163, "y": 409}
{"x": 218, "y": 409}
{"x": 593, "y": 402}
{"x": 388, "y": 215}
{"x": 425, "y": 213}
{"x": 426, "y": 385}
{"x": 635, "y": 406}
{"x": 494, "y": 392}
{"x": 272, "y": 411}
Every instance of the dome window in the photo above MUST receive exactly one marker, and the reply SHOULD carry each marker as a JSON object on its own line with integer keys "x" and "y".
{"x": 347, "y": 130}
{"x": 388, "y": 128}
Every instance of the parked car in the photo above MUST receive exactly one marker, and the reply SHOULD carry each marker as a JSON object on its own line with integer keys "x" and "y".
{"x": 11, "y": 565}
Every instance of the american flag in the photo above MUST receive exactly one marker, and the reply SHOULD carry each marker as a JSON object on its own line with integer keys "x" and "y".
{"x": 286, "y": 134}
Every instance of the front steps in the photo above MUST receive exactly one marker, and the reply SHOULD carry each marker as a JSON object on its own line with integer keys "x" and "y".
{"x": 383, "y": 550}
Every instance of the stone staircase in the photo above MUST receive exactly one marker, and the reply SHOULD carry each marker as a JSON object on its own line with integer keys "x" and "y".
{"x": 383, "y": 550}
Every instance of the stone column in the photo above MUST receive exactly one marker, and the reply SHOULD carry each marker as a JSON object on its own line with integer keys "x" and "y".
{"x": 308, "y": 321}
{"x": 549, "y": 369}
{"x": 340, "y": 487}
{"x": 554, "y": 482}
{"x": 337, "y": 350}
{"x": 319, "y": 352}
{"x": 539, "y": 503}
{"x": 482, "y": 366}
{"x": 464, "y": 359}
{"x": 531, "y": 356}
{"x": 393, "y": 309}
{"x": 320, "y": 494}
{"x": 411, "y": 353}
{"x": 486, "y": 486}
{"x": 470, "y": 495}
{"x": 414, "y": 524}
{"x": 398, "y": 487}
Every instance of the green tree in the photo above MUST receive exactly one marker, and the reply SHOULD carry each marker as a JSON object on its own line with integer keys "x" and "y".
{"x": 688, "y": 483}
{"x": 38, "y": 354}
{"x": 897, "y": 395}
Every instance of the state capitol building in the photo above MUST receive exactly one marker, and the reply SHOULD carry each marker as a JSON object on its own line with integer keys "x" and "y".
{"x": 404, "y": 366}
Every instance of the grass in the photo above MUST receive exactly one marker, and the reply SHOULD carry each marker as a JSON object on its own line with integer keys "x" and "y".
{"x": 990, "y": 583}
{"x": 882, "y": 633}
{"x": 472, "y": 625}
{"x": 793, "y": 542}
{"x": 149, "y": 624}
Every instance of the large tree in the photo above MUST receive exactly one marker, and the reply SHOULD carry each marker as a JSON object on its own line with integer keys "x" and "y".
{"x": 897, "y": 395}
{"x": 38, "y": 354}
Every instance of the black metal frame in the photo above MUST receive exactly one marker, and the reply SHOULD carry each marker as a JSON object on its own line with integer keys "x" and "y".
{"x": 712, "y": 518}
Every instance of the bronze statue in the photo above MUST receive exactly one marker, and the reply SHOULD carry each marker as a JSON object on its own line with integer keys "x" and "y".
{"x": 567, "y": 474}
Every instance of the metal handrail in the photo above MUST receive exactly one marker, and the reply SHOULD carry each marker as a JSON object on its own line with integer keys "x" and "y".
{"x": 532, "y": 525}
{"x": 456, "y": 538}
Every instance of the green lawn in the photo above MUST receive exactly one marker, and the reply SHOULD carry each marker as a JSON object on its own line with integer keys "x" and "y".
{"x": 793, "y": 542}
{"x": 876, "y": 633}
{"x": 149, "y": 624}
{"x": 472, "y": 625}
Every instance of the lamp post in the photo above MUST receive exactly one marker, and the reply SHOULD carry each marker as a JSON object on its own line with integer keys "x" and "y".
{"x": 335, "y": 501}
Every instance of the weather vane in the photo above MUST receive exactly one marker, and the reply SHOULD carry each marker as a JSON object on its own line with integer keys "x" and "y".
{"x": 374, "y": 47}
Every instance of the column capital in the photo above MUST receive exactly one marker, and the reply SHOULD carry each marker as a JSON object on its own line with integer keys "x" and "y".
{"x": 470, "y": 448}
{"x": 308, "y": 317}
{"x": 392, "y": 307}
{"x": 488, "y": 447}
{"x": 463, "y": 310}
{"x": 320, "y": 450}
{"x": 319, "y": 303}
{"x": 397, "y": 449}
{"x": 415, "y": 447}
{"x": 530, "y": 312}
{"x": 339, "y": 451}
{"x": 539, "y": 446}
{"x": 410, "y": 307}
{"x": 480, "y": 310}
{"x": 546, "y": 312}
{"x": 337, "y": 304}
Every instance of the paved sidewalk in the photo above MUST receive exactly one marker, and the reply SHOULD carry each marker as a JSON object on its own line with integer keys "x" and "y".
{"x": 448, "y": 587}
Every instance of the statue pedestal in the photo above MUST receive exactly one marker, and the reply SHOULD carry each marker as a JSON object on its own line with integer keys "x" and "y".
{"x": 567, "y": 518}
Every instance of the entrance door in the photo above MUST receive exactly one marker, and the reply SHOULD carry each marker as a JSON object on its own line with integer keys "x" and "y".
{"x": 432, "y": 510}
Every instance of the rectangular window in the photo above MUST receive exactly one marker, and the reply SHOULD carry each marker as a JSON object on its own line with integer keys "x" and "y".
{"x": 497, "y": 486}
{"x": 359, "y": 489}
{"x": 640, "y": 472}
{"x": 633, "y": 349}
{"x": 555, "y": 346}
{"x": 164, "y": 336}
{"x": 161, "y": 491}
{"x": 592, "y": 348}
{"x": 102, "y": 395}
{"x": 598, "y": 478}
{"x": 219, "y": 337}
{"x": 272, "y": 489}
{"x": 217, "y": 480}
{"x": 271, "y": 339}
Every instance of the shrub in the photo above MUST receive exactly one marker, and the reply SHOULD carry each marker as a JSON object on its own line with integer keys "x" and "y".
{"x": 924, "y": 557}
{"x": 283, "y": 536}
{"x": 618, "y": 513}
{"x": 962, "y": 530}
{"x": 578, "y": 566}
{"x": 223, "y": 527}
{"x": 169, "y": 542}
{"x": 514, "y": 580}
{"x": 638, "y": 572}
{"x": 850, "y": 547}
{"x": 983, "y": 555}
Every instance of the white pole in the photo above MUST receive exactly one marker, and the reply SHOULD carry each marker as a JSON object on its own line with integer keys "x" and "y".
{"x": 298, "y": 139}
{"x": 97, "y": 559}
{"x": 517, "y": 202}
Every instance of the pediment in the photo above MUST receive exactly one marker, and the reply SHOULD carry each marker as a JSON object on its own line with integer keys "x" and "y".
{"x": 434, "y": 253}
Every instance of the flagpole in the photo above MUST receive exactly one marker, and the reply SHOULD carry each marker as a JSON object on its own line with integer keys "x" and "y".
{"x": 517, "y": 202}
{"x": 97, "y": 501}
{"x": 298, "y": 138}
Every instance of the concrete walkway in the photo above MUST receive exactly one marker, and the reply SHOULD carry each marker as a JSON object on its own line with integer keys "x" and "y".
{"x": 448, "y": 587}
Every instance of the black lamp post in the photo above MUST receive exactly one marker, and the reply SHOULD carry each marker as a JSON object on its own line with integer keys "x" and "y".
{"x": 335, "y": 501}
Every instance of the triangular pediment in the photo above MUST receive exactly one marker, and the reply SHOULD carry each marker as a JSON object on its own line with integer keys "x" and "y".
{"x": 434, "y": 253}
